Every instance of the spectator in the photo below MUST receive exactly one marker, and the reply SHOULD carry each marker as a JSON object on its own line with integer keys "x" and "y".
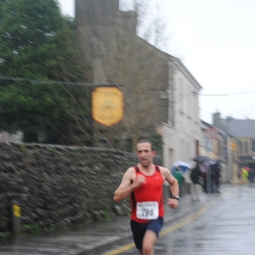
{"x": 179, "y": 177}
{"x": 196, "y": 178}
{"x": 251, "y": 176}
{"x": 215, "y": 177}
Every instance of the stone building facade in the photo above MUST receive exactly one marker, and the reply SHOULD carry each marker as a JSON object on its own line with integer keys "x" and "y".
{"x": 161, "y": 95}
{"x": 116, "y": 54}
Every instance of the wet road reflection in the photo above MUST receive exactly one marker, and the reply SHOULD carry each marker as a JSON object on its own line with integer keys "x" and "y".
{"x": 225, "y": 228}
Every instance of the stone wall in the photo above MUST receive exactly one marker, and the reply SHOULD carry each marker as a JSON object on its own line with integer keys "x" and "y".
{"x": 61, "y": 186}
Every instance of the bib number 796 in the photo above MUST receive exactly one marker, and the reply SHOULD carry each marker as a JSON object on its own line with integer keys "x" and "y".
{"x": 147, "y": 210}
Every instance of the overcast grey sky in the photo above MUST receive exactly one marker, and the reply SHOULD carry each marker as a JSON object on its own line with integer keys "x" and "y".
{"x": 215, "y": 40}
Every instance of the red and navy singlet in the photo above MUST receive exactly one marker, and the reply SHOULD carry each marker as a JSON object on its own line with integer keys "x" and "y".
{"x": 152, "y": 190}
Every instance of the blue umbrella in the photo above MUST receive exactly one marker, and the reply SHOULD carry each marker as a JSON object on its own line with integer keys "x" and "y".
{"x": 173, "y": 170}
{"x": 183, "y": 165}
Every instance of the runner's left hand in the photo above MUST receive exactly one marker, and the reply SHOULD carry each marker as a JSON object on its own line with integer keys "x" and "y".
{"x": 173, "y": 203}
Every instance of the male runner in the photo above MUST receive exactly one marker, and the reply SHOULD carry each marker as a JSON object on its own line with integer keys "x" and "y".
{"x": 144, "y": 184}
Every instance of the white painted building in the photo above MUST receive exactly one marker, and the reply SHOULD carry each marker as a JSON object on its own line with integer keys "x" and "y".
{"x": 182, "y": 134}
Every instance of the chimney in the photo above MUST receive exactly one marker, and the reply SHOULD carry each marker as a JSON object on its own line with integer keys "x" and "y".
{"x": 96, "y": 12}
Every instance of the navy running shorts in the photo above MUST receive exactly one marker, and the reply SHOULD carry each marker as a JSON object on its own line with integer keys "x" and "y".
{"x": 139, "y": 229}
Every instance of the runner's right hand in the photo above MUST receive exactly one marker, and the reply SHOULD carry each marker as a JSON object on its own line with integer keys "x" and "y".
{"x": 140, "y": 180}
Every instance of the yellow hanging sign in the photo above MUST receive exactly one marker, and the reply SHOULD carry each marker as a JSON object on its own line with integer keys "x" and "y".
{"x": 107, "y": 105}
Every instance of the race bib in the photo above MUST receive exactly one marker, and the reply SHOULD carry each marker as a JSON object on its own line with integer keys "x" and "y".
{"x": 147, "y": 210}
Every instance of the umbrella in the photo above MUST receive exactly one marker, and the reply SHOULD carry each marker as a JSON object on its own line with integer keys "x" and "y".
{"x": 183, "y": 165}
{"x": 201, "y": 159}
{"x": 219, "y": 160}
{"x": 207, "y": 164}
{"x": 173, "y": 170}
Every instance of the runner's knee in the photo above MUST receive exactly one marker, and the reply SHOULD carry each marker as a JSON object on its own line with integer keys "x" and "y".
{"x": 147, "y": 248}
{"x": 148, "y": 242}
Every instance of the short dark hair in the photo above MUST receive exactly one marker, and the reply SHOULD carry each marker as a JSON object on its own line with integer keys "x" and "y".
{"x": 144, "y": 140}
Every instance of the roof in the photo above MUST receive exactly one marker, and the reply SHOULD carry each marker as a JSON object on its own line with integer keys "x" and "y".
{"x": 178, "y": 63}
{"x": 205, "y": 124}
{"x": 239, "y": 128}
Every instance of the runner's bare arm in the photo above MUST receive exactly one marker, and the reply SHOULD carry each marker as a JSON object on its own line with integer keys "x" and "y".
{"x": 173, "y": 203}
{"x": 171, "y": 180}
{"x": 127, "y": 185}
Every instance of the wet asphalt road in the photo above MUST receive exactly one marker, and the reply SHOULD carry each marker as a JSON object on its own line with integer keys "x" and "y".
{"x": 225, "y": 227}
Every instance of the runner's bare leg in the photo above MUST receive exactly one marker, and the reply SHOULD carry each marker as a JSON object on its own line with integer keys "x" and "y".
{"x": 149, "y": 240}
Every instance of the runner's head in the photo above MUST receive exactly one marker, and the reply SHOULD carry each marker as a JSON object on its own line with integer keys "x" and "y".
{"x": 147, "y": 141}
{"x": 145, "y": 152}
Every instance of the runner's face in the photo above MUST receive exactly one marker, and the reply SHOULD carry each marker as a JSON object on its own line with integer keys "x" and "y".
{"x": 145, "y": 154}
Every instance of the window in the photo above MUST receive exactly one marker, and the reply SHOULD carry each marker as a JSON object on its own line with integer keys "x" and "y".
{"x": 188, "y": 101}
{"x": 208, "y": 143}
{"x": 188, "y": 154}
{"x": 249, "y": 147}
{"x": 239, "y": 146}
{"x": 245, "y": 147}
{"x": 195, "y": 108}
{"x": 181, "y": 95}
{"x": 253, "y": 145}
{"x": 182, "y": 149}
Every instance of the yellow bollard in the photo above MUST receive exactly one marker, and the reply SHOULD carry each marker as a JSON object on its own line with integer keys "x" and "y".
{"x": 15, "y": 217}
